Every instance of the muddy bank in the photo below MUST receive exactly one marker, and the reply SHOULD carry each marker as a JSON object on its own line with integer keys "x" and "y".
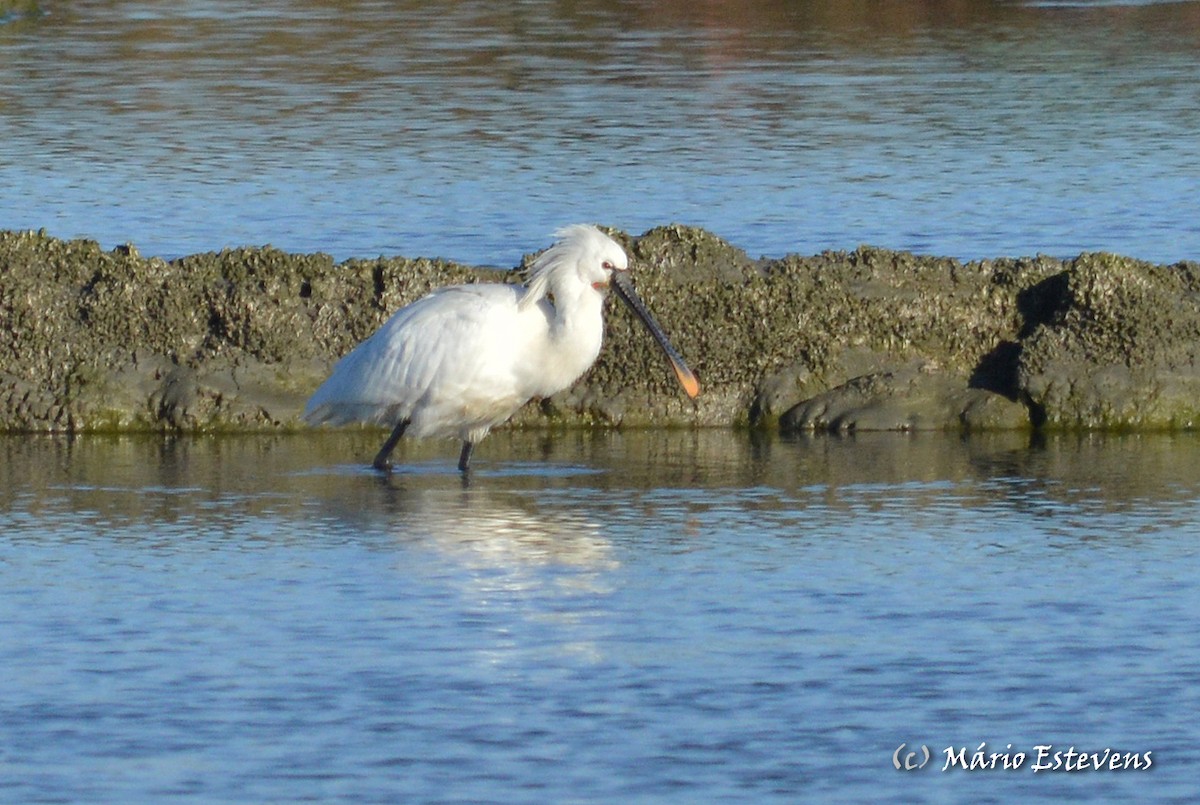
{"x": 95, "y": 339}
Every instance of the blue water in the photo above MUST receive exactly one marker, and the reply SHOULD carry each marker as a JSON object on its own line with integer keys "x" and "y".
{"x": 599, "y": 617}
{"x": 473, "y": 130}
{"x": 641, "y": 617}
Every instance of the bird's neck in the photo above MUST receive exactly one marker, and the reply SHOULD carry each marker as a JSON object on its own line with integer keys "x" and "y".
{"x": 577, "y": 309}
{"x": 576, "y": 334}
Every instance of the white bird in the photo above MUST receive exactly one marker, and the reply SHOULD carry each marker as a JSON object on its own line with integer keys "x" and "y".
{"x": 465, "y": 358}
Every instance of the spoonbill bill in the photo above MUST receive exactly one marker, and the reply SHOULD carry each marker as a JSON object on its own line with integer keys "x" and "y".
{"x": 463, "y": 359}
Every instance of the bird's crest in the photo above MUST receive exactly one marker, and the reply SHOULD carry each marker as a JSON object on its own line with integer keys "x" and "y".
{"x": 571, "y": 242}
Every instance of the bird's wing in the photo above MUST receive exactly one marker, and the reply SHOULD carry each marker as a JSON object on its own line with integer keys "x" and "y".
{"x": 439, "y": 347}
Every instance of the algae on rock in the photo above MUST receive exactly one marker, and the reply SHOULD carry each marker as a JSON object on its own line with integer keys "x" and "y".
{"x": 865, "y": 339}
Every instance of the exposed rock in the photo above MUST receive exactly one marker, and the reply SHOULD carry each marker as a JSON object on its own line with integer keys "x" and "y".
{"x": 915, "y": 396}
{"x": 1119, "y": 349}
{"x": 867, "y": 339}
{"x": 96, "y": 340}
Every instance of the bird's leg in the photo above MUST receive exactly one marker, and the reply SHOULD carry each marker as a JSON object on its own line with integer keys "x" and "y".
{"x": 464, "y": 458}
{"x": 381, "y": 458}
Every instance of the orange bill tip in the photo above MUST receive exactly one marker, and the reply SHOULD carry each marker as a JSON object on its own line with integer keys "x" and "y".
{"x": 687, "y": 380}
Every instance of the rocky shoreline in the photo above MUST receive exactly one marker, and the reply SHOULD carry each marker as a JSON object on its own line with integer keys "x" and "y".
{"x": 870, "y": 339}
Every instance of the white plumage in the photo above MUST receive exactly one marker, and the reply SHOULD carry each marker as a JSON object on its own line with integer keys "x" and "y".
{"x": 465, "y": 358}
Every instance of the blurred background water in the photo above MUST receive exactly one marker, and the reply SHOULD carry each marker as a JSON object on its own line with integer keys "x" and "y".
{"x": 597, "y": 617}
{"x": 472, "y": 130}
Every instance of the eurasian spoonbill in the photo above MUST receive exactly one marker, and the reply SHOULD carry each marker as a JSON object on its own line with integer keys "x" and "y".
{"x": 465, "y": 358}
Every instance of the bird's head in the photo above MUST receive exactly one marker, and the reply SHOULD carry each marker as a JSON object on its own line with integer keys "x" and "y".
{"x": 582, "y": 256}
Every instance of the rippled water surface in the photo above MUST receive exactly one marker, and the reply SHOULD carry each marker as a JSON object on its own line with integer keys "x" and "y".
{"x": 472, "y": 130}
{"x": 638, "y": 617}
{"x": 667, "y": 617}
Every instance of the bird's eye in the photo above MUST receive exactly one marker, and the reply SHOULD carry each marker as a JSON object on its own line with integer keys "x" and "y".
{"x": 607, "y": 265}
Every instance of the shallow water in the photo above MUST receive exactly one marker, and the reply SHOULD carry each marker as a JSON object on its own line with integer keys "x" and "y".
{"x": 643, "y": 617}
{"x": 472, "y": 130}
{"x": 647, "y": 617}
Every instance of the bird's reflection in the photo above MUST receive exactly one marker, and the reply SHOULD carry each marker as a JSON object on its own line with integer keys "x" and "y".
{"x": 493, "y": 537}
{"x": 489, "y": 527}
{"x": 512, "y": 559}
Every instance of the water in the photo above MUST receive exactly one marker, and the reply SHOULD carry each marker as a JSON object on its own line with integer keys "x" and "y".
{"x": 472, "y": 130}
{"x": 640, "y": 617}
{"x": 643, "y": 617}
